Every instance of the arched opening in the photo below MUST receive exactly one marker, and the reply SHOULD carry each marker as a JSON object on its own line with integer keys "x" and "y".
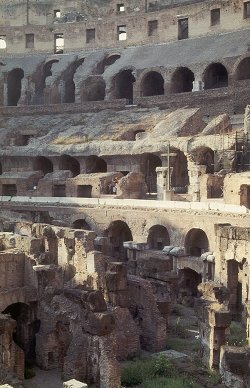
{"x": 69, "y": 163}
{"x": 93, "y": 89}
{"x": 152, "y": 84}
{"x": 150, "y": 163}
{"x": 118, "y": 232}
{"x": 196, "y": 242}
{"x": 188, "y": 281}
{"x": 69, "y": 81}
{"x": 234, "y": 285}
{"x": 123, "y": 85}
{"x": 215, "y": 76}
{"x": 158, "y": 237}
{"x": 108, "y": 61}
{"x": 182, "y": 80}
{"x": 14, "y": 86}
{"x": 95, "y": 164}
{"x": 41, "y": 83}
{"x": 81, "y": 224}
{"x": 179, "y": 177}
{"x": 205, "y": 156}
{"x": 243, "y": 70}
{"x": 27, "y": 327}
{"x": 43, "y": 164}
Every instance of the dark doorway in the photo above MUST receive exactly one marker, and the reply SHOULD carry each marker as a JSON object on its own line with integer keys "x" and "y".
{"x": 123, "y": 85}
{"x": 9, "y": 190}
{"x": 182, "y": 80}
{"x": 43, "y": 164}
{"x": 158, "y": 237}
{"x": 152, "y": 84}
{"x": 81, "y": 224}
{"x": 84, "y": 191}
{"x": 69, "y": 163}
{"x": 196, "y": 242}
{"x": 243, "y": 70}
{"x": 215, "y": 76}
{"x": 118, "y": 232}
{"x": 14, "y": 86}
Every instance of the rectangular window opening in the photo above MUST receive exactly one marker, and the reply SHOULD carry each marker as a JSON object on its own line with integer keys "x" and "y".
{"x": 57, "y": 13}
{"x": 247, "y": 9}
{"x": 183, "y": 28}
{"x": 90, "y": 35}
{"x": 122, "y": 32}
{"x": 9, "y": 190}
{"x": 29, "y": 40}
{"x": 3, "y": 44}
{"x": 120, "y": 7}
{"x": 84, "y": 191}
{"x": 59, "y": 191}
{"x": 215, "y": 16}
{"x": 152, "y": 27}
{"x": 59, "y": 43}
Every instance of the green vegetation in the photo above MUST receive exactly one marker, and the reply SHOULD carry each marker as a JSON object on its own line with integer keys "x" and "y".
{"x": 237, "y": 334}
{"x": 155, "y": 372}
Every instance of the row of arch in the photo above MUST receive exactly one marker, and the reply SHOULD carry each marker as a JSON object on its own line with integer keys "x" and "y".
{"x": 94, "y": 87}
{"x": 196, "y": 240}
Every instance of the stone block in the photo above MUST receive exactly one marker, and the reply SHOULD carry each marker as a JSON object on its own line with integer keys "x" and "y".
{"x": 234, "y": 365}
{"x": 74, "y": 384}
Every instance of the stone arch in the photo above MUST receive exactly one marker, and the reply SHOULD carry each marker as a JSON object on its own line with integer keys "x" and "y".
{"x": 118, "y": 232}
{"x": 69, "y": 80}
{"x": 40, "y": 84}
{"x": 95, "y": 164}
{"x": 67, "y": 162}
{"x": 14, "y": 86}
{"x": 152, "y": 84}
{"x": 108, "y": 61}
{"x": 149, "y": 164}
{"x": 93, "y": 89}
{"x": 122, "y": 85}
{"x": 196, "y": 242}
{"x": 26, "y": 327}
{"x": 215, "y": 76}
{"x": 81, "y": 223}
{"x": 180, "y": 177}
{"x": 41, "y": 163}
{"x": 158, "y": 237}
{"x": 182, "y": 80}
{"x": 204, "y": 156}
{"x": 243, "y": 69}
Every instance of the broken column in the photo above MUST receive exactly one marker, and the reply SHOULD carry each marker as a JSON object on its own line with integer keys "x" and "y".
{"x": 214, "y": 319}
{"x": 234, "y": 365}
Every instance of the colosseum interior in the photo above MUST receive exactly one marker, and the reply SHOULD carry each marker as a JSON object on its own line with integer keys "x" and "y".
{"x": 124, "y": 193}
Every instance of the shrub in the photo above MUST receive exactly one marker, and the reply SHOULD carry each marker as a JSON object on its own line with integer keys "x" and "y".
{"x": 172, "y": 382}
{"x": 29, "y": 373}
{"x": 162, "y": 366}
{"x": 237, "y": 335}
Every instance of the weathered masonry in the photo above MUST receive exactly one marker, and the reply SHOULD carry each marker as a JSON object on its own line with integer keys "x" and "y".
{"x": 124, "y": 183}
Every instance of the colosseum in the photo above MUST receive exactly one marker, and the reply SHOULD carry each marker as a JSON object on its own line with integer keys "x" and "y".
{"x": 125, "y": 193}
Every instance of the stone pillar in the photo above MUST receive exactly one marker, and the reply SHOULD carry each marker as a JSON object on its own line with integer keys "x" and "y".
{"x": 116, "y": 284}
{"x": 214, "y": 320}
{"x": 247, "y": 120}
{"x": 234, "y": 366}
{"x": 163, "y": 190}
{"x": 247, "y": 306}
{"x": 195, "y": 171}
{"x": 198, "y": 85}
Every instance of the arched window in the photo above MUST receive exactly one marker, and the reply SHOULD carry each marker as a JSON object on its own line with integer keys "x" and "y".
{"x": 150, "y": 163}
{"x": 158, "y": 237}
{"x": 118, "y": 232}
{"x": 69, "y": 163}
{"x": 215, "y": 76}
{"x": 196, "y": 242}
{"x": 152, "y": 84}
{"x": 182, "y": 80}
{"x": 95, "y": 164}
{"x": 14, "y": 86}
{"x": 43, "y": 164}
{"x": 123, "y": 85}
{"x": 46, "y": 71}
{"x": 81, "y": 224}
{"x": 69, "y": 81}
{"x": 243, "y": 70}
